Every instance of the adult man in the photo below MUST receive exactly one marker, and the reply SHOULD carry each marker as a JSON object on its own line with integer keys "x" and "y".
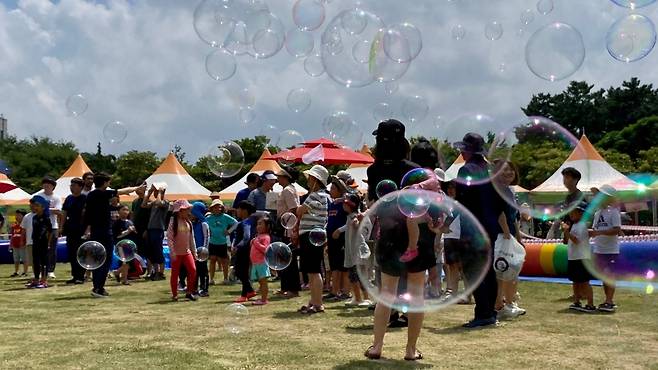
{"x": 88, "y": 178}
{"x": 140, "y": 219}
{"x": 478, "y": 195}
{"x": 98, "y": 224}
{"x": 155, "y": 230}
{"x": 252, "y": 183}
{"x": 570, "y": 179}
{"x": 258, "y": 196}
{"x": 73, "y": 228}
{"x": 48, "y": 185}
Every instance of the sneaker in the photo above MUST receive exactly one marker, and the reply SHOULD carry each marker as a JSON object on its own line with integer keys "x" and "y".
{"x": 607, "y": 307}
{"x": 576, "y": 306}
{"x": 32, "y": 285}
{"x": 344, "y": 296}
{"x": 96, "y": 294}
{"x": 518, "y": 309}
{"x": 476, "y": 323}
{"x": 15, "y": 274}
{"x": 203, "y": 293}
{"x": 51, "y": 275}
{"x": 241, "y": 299}
{"x": 589, "y": 309}
{"x": 191, "y": 297}
{"x": 329, "y": 297}
{"x": 352, "y": 303}
{"x": 70, "y": 281}
{"x": 181, "y": 288}
{"x": 251, "y": 295}
{"x": 409, "y": 255}
{"x": 507, "y": 312}
{"x": 259, "y": 302}
{"x": 78, "y": 282}
{"x": 365, "y": 303}
{"x": 42, "y": 285}
{"x": 24, "y": 274}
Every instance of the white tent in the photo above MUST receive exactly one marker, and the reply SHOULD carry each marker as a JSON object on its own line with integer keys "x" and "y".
{"x": 77, "y": 169}
{"x": 17, "y": 196}
{"x": 180, "y": 185}
{"x": 259, "y": 167}
{"x": 594, "y": 169}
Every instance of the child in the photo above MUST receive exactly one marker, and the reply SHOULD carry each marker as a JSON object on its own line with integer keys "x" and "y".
{"x": 182, "y": 250}
{"x": 337, "y": 217}
{"x": 259, "y": 269}
{"x": 41, "y": 241}
{"x": 579, "y": 252}
{"x": 219, "y": 223}
{"x": 605, "y": 231}
{"x": 241, "y": 248}
{"x": 17, "y": 243}
{"x": 356, "y": 248}
{"x": 123, "y": 229}
{"x": 202, "y": 238}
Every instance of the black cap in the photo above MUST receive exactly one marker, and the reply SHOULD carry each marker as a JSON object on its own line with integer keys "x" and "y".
{"x": 471, "y": 143}
{"x": 389, "y": 128}
{"x": 49, "y": 180}
{"x": 570, "y": 171}
{"x": 252, "y": 178}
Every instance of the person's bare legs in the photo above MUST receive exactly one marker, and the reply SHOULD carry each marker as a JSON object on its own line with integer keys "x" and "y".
{"x": 345, "y": 282}
{"x": 315, "y": 282}
{"x": 16, "y": 267}
{"x": 587, "y": 292}
{"x": 388, "y": 288}
{"x": 263, "y": 289}
{"x": 335, "y": 282}
{"x": 356, "y": 291}
{"x": 212, "y": 267}
{"x": 223, "y": 262}
{"x": 500, "y": 295}
{"x": 415, "y": 287}
{"x": 609, "y": 290}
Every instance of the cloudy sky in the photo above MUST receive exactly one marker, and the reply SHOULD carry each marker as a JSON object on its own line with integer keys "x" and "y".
{"x": 141, "y": 62}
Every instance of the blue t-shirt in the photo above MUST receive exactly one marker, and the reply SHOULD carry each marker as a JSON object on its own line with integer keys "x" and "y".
{"x": 240, "y": 196}
{"x": 258, "y": 198}
{"x": 218, "y": 225}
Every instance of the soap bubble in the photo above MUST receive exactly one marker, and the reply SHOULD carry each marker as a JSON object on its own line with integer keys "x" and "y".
{"x": 271, "y": 132}
{"x": 544, "y": 6}
{"x": 385, "y": 187}
{"x": 392, "y": 240}
{"x": 298, "y": 100}
{"x": 288, "y": 220}
{"x": 361, "y": 51}
{"x": 527, "y": 16}
{"x": 210, "y": 24}
{"x": 220, "y": 65}
{"x": 226, "y": 159}
{"x": 289, "y": 139}
{"x": 633, "y": 4}
{"x": 308, "y": 15}
{"x": 458, "y": 32}
{"x": 91, "y": 255}
{"x": 403, "y": 42}
{"x": 202, "y": 254}
{"x": 415, "y": 108}
{"x": 125, "y": 250}
{"x": 76, "y": 104}
{"x": 236, "y": 318}
{"x": 382, "y": 112}
{"x": 243, "y": 98}
{"x": 493, "y": 30}
{"x": 247, "y": 116}
{"x": 313, "y": 65}
{"x": 354, "y": 21}
{"x": 631, "y": 38}
{"x": 317, "y": 236}
{"x": 337, "y": 125}
{"x": 416, "y": 176}
{"x": 269, "y": 41}
{"x": 391, "y": 87}
{"x": 299, "y": 43}
{"x": 278, "y": 256}
{"x": 115, "y": 132}
{"x": 354, "y": 137}
{"x": 555, "y": 51}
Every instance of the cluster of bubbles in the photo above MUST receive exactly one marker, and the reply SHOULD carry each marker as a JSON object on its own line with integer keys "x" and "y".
{"x": 114, "y": 132}
{"x": 91, "y": 255}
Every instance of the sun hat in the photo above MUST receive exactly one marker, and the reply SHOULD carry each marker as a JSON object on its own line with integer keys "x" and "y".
{"x": 608, "y": 190}
{"x": 471, "y": 143}
{"x": 347, "y": 179}
{"x": 337, "y": 181}
{"x": 318, "y": 172}
{"x": 216, "y": 202}
{"x": 268, "y": 175}
{"x": 282, "y": 172}
{"x": 181, "y": 204}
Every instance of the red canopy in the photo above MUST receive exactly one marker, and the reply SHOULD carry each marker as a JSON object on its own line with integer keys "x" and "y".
{"x": 6, "y": 187}
{"x": 331, "y": 152}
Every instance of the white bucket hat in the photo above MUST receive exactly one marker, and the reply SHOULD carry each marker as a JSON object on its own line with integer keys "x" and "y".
{"x": 318, "y": 172}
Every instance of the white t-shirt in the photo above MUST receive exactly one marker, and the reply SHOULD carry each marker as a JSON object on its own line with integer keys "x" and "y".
{"x": 455, "y": 229}
{"x": 27, "y": 225}
{"x": 606, "y": 219}
{"x": 582, "y": 249}
{"x": 55, "y": 203}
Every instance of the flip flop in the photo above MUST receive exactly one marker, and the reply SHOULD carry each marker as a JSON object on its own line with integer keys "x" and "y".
{"x": 370, "y": 355}
{"x": 419, "y": 356}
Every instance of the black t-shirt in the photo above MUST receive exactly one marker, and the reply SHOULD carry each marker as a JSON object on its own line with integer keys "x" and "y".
{"x": 74, "y": 207}
{"x": 41, "y": 226}
{"x": 97, "y": 211}
{"x": 481, "y": 199}
{"x": 141, "y": 215}
{"x": 387, "y": 170}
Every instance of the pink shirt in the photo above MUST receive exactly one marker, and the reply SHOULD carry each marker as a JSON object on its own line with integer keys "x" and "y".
{"x": 258, "y": 246}
{"x": 183, "y": 241}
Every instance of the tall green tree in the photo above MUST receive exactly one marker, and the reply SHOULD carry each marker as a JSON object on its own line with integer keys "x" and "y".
{"x": 637, "y": 136}
{"x": 134, "y": 166}
{"x": 99, "y": 162}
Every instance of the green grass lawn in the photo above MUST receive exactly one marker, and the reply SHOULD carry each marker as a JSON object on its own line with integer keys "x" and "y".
{"x": 138, "y": 327}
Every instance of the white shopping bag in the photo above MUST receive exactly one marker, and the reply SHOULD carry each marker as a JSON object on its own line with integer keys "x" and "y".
{"x": 509, "y": 256}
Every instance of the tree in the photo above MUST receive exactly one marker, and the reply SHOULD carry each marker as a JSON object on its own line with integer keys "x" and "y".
{"x": 179, "y": 154}
{"x": 640, "y": 135}
{"x": 648, "y": 161}
{"x": 622, "y": 162}
{"x": 133, "y": 167}
{"x": 537, "y": 161}
{"x": 99, "y": 162}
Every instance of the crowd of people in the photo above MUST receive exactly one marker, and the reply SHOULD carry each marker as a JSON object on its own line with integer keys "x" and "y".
{"x": 236, "y": 238}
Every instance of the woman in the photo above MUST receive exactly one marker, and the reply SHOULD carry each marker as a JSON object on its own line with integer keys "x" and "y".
{"x": 508, "y": 176}
{"x": 288, "y": 202}
{"x": 391, "y": 163}
{"x": 312, "y": 215}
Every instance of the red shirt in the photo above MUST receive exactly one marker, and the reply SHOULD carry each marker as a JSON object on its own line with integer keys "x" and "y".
{"x": 17, "y": 239}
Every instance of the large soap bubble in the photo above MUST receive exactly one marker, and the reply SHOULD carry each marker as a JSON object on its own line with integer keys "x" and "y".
{"x": 278, "y": 256}
{"x": 125, "y": 250}
{"x": 545, "y": 6}
{"x": 269, "y": 40}
{"x": 493, "y": 30}
{"x": 391, "y": 238}
{"x": 555, "y": 51}
{"x": 220, "y": 65}
{"x": 313, "y": 65}
{"x": 115, "y": 132}
{"x": 299, "y": 43}
{"x": 298, "y": 100}
{"x": 415, "y": 108}
{"x": 91, "y": 255}
{"x": 211, "y": 24}
{"x": 226, "y": 159}
{"x": 76, "y": 104}
{"x": 631, "y": 38}
{"x": 236, "y": 318}
{"x": 308, "y": 15}
{"x": 403, "y": 42}
{"x": 633, "y": 4}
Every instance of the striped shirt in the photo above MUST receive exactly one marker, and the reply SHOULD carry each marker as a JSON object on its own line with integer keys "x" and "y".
{"x": 317, "y": 205}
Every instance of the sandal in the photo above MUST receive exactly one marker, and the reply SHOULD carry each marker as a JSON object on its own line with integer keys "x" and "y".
{"x": 419, "y": 356}
{"x": 311, "y": 309}
{"x": 304, "y": 308}
{"x": 370, "y": 355}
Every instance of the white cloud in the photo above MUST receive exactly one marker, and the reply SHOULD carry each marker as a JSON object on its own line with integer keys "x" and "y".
{"x": 142, "y": 63}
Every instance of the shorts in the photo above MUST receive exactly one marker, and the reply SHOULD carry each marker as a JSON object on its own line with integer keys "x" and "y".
{"x": 28, "y": 254}
{"x": 310, "y": 256}
{"x": 20, "y": 254}
{"x": 155, "y": 239}
{"x": 259, "y": 271}
{"x": 218, "y": 250}
{"x": 353, "y": 275}
{"x": 577, "y": 272}
{"x": 452, "y": 250}
{"x": 606, "y": 263}
{"x": 336, "y": 252}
